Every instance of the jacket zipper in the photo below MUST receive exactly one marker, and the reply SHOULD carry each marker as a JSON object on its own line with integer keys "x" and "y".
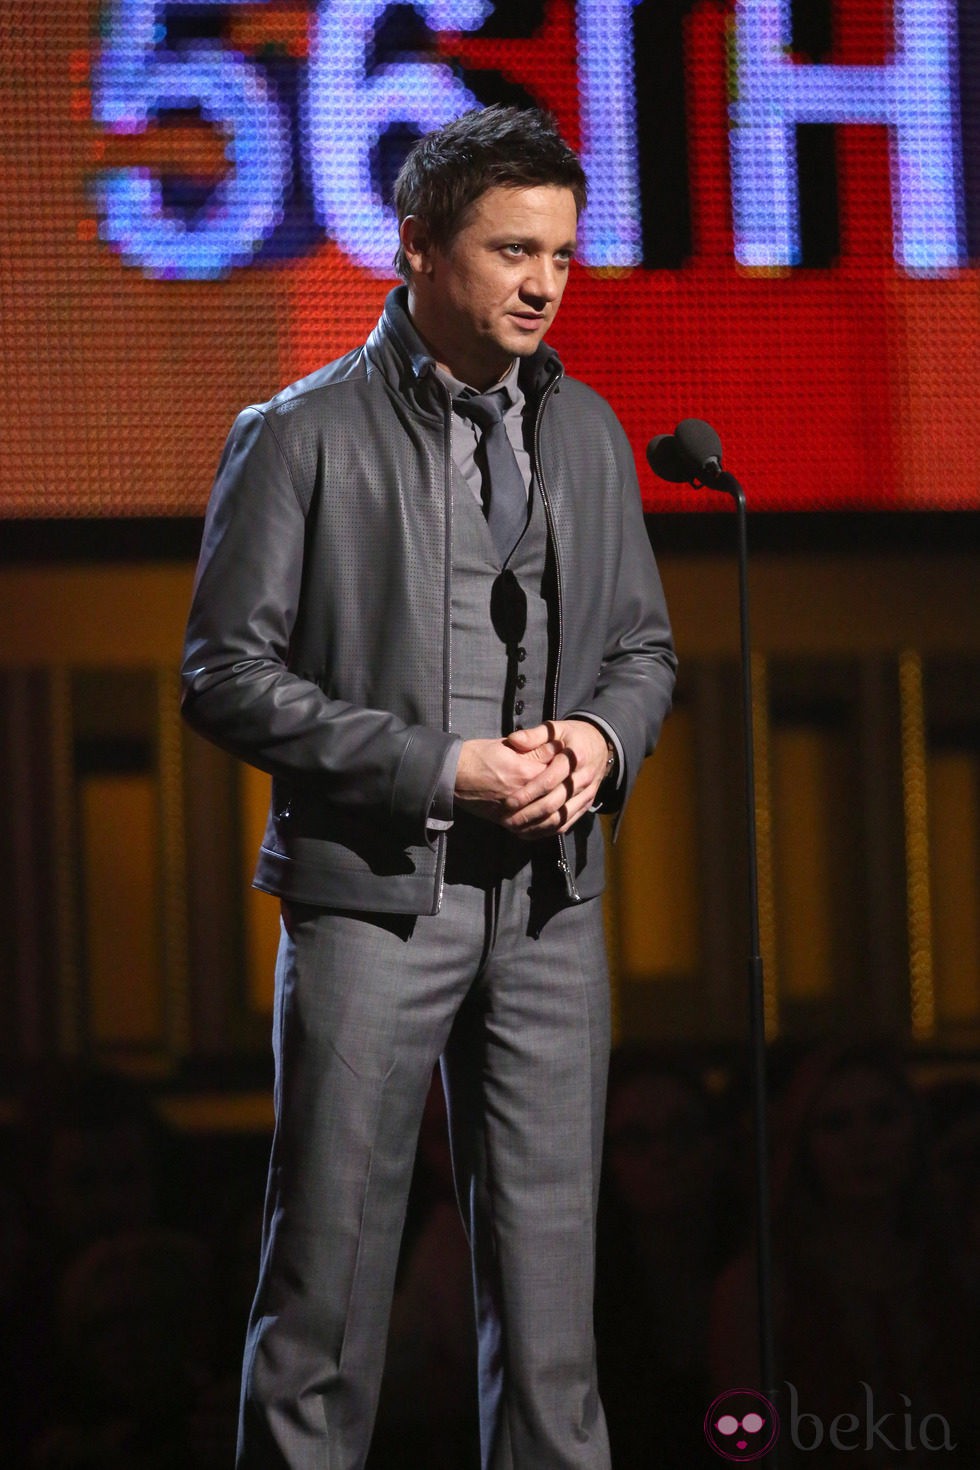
{"x": 564, "y": 865}
{"x": 447, "y": 616}
{"x": 447, "y": 677}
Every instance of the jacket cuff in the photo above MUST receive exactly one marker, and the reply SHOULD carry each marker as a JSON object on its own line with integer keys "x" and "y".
{"x": 612, "y": 784}
{"x": 440, "y": 817}
{"x": 429, "y": 757}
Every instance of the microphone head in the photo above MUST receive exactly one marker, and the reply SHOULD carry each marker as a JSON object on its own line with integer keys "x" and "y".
{"x": 666, "y": 460}
{"x": 700, "y": 446}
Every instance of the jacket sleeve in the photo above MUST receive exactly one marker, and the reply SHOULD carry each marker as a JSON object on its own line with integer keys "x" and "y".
{"x": 238, "y": 687}
{"x": 635, "y": 682}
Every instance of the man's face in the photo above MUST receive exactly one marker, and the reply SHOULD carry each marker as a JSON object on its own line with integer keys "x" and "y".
{"x": 491, "y": 294}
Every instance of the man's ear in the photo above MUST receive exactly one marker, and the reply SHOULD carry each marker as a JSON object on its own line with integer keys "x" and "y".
{"x": 415, "y": 243}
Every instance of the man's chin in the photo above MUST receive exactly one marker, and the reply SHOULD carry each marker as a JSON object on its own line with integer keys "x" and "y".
{"x": 524, "y": 344}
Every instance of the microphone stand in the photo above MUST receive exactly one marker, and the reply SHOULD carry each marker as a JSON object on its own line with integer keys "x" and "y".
{"x": 718, "y": 479}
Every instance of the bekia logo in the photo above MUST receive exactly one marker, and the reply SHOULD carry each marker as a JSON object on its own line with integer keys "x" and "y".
{"x": 741, "y": 1425}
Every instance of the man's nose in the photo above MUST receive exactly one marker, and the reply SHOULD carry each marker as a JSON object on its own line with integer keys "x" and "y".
{"x": 543, "y": 280}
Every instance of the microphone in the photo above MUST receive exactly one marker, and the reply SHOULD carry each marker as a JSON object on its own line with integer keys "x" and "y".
{"x": 667, "y": 461}
{"x": 701, "y": 446}
{"x": 692, "y": 453}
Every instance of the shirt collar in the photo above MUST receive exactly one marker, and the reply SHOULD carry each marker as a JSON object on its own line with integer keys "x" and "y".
{"x": 508, "y": 383}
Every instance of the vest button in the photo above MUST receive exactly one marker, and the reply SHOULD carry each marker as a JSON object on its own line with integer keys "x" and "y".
{"x": 521, "y": 680}
{"x": 521, "y": 654}
{"x": 519, "y": 707}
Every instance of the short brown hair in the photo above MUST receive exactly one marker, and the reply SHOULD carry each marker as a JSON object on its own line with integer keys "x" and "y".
{"x": 448, "y": 170}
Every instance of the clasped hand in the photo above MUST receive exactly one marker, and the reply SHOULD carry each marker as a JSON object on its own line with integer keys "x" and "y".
{"x": 535, "y": 782}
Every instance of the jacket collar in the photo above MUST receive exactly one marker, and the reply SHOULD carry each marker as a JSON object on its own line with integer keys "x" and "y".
{"x": 398, "y": 350}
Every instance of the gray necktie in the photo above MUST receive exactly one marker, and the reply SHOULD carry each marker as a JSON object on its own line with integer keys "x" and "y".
{"x": 507, "y": 511}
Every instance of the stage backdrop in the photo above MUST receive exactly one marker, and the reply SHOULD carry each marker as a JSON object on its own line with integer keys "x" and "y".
{"x": 783, "y": 235}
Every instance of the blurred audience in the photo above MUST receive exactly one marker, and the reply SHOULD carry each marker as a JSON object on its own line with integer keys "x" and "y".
{"x": 88, "y": 1149}
{"x": 93, "y": 1148}
{"x": 126, "y": 1266}
{"x": 954, "y": 1110}
{"x": 865, "y": 1291}
{"x": 664, "y": 1230}
{"x": 133, "y": 1360}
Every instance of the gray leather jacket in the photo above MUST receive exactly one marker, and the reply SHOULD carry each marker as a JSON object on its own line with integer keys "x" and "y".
{"x": 318, "y": 644}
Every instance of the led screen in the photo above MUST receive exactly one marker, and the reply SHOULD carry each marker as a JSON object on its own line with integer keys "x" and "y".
{"x": 783, "y": 232}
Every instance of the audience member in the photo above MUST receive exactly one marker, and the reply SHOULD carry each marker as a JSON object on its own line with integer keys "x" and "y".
{"x": 133, "y": 1352}
{"x": 954, "y": 1109}
{"x": 661, "y": 1240}
{"x": 89, "y": 1155}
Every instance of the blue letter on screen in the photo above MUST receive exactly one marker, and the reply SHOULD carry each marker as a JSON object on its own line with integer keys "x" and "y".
{"x": 350, "y": 106}
{"x": 611, "y": 222}
{"x": 913, "y": 94}
{"x": 136, "y": 79}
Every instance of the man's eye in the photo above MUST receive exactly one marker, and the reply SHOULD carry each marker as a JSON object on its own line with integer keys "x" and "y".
{"x": 514, "y": 249}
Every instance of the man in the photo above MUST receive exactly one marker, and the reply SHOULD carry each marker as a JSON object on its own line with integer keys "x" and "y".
{"x": 438, "y": 624}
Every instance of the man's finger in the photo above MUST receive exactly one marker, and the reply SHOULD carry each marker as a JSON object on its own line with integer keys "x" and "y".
{"x": 557, "y": 771}
{"x": 543, "y": 808}
{"x": 561, "y": 820}
{"x": 533, "y": 738}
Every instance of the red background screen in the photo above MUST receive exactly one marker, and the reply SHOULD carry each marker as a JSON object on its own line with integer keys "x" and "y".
{"x": 840, "y": 383}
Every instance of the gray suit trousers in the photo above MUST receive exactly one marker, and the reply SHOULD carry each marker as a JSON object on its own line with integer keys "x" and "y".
{"x": 365, "y": 1005}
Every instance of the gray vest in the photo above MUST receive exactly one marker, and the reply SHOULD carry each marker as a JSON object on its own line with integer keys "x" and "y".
{"x": 499, "y": 670}
{"x": 499, "y": 662}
